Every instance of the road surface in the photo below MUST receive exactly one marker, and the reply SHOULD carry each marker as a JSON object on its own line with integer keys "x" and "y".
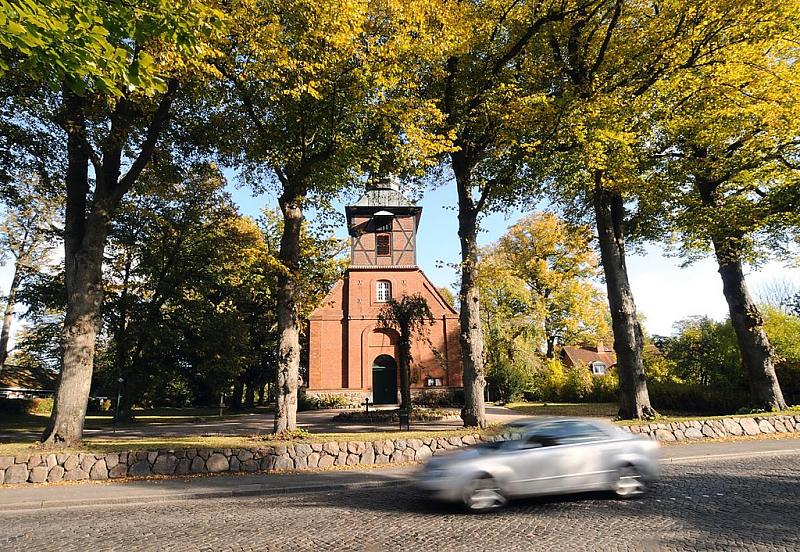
{"x": 741, "y": 498}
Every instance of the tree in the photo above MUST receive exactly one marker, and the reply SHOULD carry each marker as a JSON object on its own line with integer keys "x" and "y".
{"x": 556, "y": 262}
{"x": 106, "y": 111}
{"x": 324, "y": 92}
{"x": 26, "y": 234}
{"x": 511, "y": 323}
{"x": 410, "y": 317}
{"x": 704, "y": 351}
{"x": 779, "y": 293}
{"x": 611, "y": 62}
{"x": 729, "y": 155}
{"x": 480, "y": 87}
{"x": 185, "y": 278}
{"x": 59, "y": 41}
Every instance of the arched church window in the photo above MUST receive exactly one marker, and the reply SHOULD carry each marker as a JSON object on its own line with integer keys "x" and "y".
{"x": 383, "y": 293}
{"x": 383, "y": 244}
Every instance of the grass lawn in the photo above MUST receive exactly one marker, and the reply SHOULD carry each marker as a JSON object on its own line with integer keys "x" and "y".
{"x": 155, "y": 443}
{"x": 603, "y": 410}
{"x": 28, "y": 423}
{"x": 609, "y": 410}
{"x": 25, "y": 423}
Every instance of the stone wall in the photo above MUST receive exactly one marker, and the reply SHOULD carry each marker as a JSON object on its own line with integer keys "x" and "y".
{"x": 713, "y": 429}
{"x": 41, "y": 468}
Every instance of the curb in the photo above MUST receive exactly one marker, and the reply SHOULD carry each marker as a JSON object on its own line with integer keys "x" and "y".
{"x": 729, "y": 456}
{"x": 249, "y": 490}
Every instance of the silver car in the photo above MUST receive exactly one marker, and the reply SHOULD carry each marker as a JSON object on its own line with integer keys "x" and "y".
{"x": 542, "y": 457}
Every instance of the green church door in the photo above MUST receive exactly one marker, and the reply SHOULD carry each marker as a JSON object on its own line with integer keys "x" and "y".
{"x": 384, "y": 380}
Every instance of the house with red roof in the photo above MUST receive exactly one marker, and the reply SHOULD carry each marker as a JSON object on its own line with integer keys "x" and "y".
{"x": 598, "y": 358}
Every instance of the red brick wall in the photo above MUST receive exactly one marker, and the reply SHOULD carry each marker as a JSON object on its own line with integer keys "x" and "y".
{"x": 344, "y": 339}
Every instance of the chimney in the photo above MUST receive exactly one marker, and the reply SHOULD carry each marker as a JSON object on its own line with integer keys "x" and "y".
{"x": 600, "y": 348}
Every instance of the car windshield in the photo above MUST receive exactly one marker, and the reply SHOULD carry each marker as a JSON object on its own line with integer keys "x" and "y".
{"x": 561, "y": 432}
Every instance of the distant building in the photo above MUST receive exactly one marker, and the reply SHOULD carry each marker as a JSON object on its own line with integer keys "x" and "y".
{"x": 598, "y": 358}
{"x": 22, "y": 382}
{"x": 348, "y": 353}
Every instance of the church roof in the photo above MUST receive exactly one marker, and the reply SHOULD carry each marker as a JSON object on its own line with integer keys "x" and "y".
{"x": 381, "y": 196}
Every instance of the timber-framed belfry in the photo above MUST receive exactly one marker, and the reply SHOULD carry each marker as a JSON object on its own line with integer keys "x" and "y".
{"x": 350, "y": 353}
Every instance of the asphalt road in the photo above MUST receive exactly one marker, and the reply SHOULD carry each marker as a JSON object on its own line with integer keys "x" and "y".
{"x": 731, "y": 502}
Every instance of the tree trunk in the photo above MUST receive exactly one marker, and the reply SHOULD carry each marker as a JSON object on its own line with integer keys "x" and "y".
{"x": 81, "y": 324}
{"x": 262, "y": 394}
{"x": 551, "y": 347}
{"x": 634, "y": 400}
{"x": 250, "y": 395}
{"x": 85, "y": 236}
{"x": 83, "y": 257}
{"x": 471, "y": 337}
{"x": 754, "y": 345}
{"x": 405, "y": 372}
{"x": 8, "y": 317}
{"x": 288, "y": 328}
{"x": 236, "y": 396}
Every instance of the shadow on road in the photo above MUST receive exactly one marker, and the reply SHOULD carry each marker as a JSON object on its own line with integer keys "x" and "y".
{"x": 684, "y": 510}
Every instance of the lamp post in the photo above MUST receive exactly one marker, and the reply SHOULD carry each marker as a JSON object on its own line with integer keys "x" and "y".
{"x": 120, "y": 381}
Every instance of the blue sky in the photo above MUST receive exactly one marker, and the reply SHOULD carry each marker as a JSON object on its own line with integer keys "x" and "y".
{"x": 664, "y": 292}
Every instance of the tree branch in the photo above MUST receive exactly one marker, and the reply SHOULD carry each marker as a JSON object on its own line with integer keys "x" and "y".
{"x": 148, "y": 146}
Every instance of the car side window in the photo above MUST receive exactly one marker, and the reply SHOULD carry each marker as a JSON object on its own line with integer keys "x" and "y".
{"x": 576, "y": 432}
{"x": 538, "y": 439}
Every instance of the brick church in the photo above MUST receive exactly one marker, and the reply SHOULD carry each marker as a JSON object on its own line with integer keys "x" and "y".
{"x": 348, "y": 353}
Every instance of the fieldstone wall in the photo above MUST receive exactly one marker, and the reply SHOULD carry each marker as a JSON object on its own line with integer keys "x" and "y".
{"x": 50, "y": 468}
{"x": 39, "y": 468}
{"x": 712, "y": 429}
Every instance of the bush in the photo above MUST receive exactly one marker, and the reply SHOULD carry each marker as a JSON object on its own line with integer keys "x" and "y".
{"x": 696, "y": 399}
{"x": 433, "y": 398}
{"x": 507, "y": 381}
{"x": 26, "y": 406}
{"x": 606, "y": 388}
{"x": 578, "y": 384}
{"x": 789, "y": 378}
{"x": 556, "y": 383}
{"x": 15, "y": 406}
{"x": 548, "y": 383}
{"x": 41, "y": 406}
{"x": 393, "y": 416}
{"x": 314, "y": 402}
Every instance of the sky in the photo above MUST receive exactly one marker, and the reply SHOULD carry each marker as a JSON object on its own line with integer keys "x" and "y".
{"x": 664, "y": 292}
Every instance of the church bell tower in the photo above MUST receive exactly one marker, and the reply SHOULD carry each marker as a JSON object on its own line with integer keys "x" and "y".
{"x": 383, "y": 226}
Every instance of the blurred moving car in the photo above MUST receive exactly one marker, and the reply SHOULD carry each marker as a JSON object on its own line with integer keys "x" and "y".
{"x": 543, "y": 457}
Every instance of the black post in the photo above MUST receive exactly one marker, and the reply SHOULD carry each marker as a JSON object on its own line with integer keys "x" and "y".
{"x": 404, "y": 419}
{"x": 120, "y": 381}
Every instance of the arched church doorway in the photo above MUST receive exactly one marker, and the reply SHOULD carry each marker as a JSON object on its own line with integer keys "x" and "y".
{"x": 384, "y": 380}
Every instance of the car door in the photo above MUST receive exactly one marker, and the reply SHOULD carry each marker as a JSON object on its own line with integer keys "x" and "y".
{"x": 535, "y": 462}
{"x": 583, "y": 455}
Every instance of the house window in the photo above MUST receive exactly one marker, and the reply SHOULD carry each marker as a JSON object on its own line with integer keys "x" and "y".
{"x": 383, "y": 293}
{"x": 382, "y": 244}
{"x": 599, "y": 369}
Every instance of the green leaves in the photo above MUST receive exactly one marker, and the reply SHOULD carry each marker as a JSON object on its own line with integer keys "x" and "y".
{"x": 536, "y": 284}
{"x": 111, "y": 47}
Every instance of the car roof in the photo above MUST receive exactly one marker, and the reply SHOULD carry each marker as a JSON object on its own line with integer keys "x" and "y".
{"x": 528, "y": 423}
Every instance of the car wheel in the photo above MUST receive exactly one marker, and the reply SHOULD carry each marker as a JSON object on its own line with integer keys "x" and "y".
{"x": 483, "y": 494}
{"x": 629, "y": 483}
